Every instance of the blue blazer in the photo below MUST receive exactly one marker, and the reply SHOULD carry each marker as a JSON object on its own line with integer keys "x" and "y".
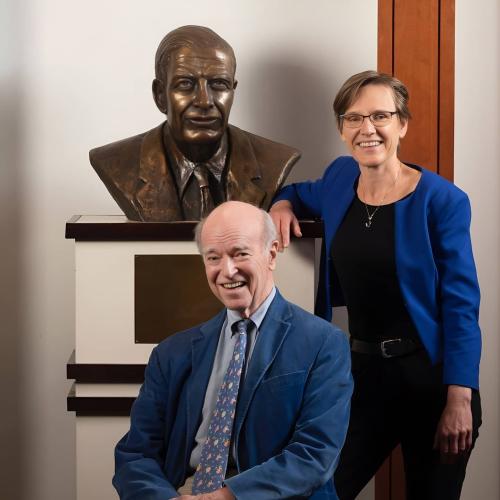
{"x": 291, "y": 417}
{"x": 434, "y": 261}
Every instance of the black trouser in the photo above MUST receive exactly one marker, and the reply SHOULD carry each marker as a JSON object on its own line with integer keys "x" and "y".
{"x": 399, "y": 400}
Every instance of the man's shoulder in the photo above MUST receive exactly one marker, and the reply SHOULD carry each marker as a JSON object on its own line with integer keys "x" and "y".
{"x": 305, "y": 324}
{"x": 318, "y": 325}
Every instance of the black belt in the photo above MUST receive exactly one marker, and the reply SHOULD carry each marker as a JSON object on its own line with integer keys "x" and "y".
{"x": 389, "y": 348}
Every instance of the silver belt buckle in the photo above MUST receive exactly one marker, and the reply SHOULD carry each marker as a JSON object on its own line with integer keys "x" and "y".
{"x": 383, "y": 347}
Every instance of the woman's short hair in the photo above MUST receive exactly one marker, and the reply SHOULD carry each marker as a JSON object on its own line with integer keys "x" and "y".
{"x": 351, "y": 88}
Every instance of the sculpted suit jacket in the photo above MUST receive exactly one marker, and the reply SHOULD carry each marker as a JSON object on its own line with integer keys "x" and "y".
{"x": 137, "y": 174}
{"x": 291, "y": 417}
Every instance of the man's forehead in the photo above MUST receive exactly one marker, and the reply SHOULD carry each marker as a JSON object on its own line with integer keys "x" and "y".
{"x": 228, "y": 238}
{"x": 236, "y": 236}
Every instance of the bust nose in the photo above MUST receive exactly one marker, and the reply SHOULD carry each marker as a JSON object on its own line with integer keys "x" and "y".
{"x": 203, "y": 96}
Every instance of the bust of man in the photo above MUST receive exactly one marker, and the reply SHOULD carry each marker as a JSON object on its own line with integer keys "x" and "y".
{"x": 195, "y": 160}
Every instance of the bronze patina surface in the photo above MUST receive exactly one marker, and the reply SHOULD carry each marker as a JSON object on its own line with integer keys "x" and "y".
{"x": 194, "y": 160}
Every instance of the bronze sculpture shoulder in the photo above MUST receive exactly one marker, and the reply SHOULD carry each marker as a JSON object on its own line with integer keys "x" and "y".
{"x": 136, "y": 172}
{"x": 257, "y": 167}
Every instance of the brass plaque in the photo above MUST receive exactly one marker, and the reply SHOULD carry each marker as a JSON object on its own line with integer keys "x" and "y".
{"x": 171, "y": 294}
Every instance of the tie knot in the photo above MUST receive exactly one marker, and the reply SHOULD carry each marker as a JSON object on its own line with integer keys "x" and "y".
{"x": 201, "y": 174}
{"x": 242, "y": 326}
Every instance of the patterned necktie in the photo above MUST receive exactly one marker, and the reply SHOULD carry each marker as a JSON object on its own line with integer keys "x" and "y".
{"x": 206, "y": 202}
{"x": 211, "y": 471}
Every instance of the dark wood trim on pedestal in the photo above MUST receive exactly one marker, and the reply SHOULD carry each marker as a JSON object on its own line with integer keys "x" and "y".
{"x": 78, "y": 229}
{"x": 91, "y": 373}
{"x": 98, "y": 406}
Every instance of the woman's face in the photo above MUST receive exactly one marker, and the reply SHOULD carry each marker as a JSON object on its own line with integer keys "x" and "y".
{"x": 369, "y": 145}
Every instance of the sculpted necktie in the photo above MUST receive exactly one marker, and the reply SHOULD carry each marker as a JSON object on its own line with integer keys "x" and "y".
{"x": 215, "y": 452}
{"x": 206, "y": 202}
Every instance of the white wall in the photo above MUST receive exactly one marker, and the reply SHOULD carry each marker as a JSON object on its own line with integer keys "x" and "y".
{"x": 12, "y": 328}
{"x": 477, "y": 171}
{"x": 75, "y": 75}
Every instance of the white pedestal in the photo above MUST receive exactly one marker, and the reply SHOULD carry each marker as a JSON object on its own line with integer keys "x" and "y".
{"x": 108, "y": 362}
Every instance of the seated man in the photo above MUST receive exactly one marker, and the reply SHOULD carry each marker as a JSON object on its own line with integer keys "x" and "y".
{"x": 254, "y": 403}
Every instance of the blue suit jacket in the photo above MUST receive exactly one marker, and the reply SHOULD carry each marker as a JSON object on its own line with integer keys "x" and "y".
{"x": 434, "y": 261}
{"x": 291, "y": 417}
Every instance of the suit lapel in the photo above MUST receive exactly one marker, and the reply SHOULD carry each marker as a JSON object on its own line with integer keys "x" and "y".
{"x": 156, "y": 193}
{"x": 243, "y": 169}
{"x": 272, "y": 334}
{"x": 203, "y": 348}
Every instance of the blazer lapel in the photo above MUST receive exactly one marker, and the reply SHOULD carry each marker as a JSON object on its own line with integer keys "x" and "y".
{"x": 203, "y": 347}
{"x": 272, "y": 333}
{"x": 156, "y": 195}
{"x": 243, "y": 169}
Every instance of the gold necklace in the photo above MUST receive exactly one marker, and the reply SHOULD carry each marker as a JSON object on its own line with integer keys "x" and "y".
{"x": 369, "y": 215}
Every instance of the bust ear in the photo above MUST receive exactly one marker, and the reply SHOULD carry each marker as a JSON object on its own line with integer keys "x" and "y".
{"x": 159, "y": 95}
{"x": 235, "y": 84}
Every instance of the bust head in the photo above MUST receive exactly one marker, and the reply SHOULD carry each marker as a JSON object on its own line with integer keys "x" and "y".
{"x": 194, "y": 87}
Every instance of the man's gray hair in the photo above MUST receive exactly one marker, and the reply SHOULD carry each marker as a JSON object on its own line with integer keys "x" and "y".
{"x": 269, "y": 232}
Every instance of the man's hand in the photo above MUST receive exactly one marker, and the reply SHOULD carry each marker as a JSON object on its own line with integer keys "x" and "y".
{"x": 284, "y": 218}
{"x": 220, "y": 494}
{"x": 454, "y": 430}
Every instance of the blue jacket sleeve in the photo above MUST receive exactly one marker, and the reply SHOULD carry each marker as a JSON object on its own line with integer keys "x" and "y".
{"x": 311, "y": 456}
{"x": 458, "y": 290}
{"x": 139, "y": 454}
{"x": 305, "y": 197}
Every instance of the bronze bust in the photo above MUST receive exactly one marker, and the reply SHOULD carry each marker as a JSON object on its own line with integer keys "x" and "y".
{"x": 193, "y": 161}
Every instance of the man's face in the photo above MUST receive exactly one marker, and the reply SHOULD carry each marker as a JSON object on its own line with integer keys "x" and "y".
{"x": 239, "y": 268}
{"x": 197, "y": 94}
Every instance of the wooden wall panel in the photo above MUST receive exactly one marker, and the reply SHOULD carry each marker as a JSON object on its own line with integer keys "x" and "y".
{"x": 385, "y": 45}
{"x": 416, "y": 43}
{"x": 416, "y": 56}
{"x": 446, "y": 88}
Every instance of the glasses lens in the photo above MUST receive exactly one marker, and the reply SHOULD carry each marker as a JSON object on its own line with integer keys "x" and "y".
{"x": 380, "y": 118}
{"x": 353, "y": 120}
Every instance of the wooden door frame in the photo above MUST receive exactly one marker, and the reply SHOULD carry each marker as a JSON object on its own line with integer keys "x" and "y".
{"x": 393, "y": 46}
{"x": 420, "y": 31}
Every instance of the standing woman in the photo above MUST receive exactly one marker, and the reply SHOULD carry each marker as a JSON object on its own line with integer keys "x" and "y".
{"x": 398, "y": 255}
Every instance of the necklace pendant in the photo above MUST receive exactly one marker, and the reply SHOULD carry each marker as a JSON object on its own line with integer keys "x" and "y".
{"x": 368, "y": 223}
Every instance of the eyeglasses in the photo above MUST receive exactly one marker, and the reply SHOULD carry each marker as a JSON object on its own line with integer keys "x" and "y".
{"x": 378, "y": 119}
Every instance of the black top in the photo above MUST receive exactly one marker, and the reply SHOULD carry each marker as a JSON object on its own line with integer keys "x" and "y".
{"x": 364, "y": 260}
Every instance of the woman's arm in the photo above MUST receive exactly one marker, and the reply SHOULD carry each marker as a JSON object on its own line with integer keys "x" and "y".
{"x": 459, "y": 304}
